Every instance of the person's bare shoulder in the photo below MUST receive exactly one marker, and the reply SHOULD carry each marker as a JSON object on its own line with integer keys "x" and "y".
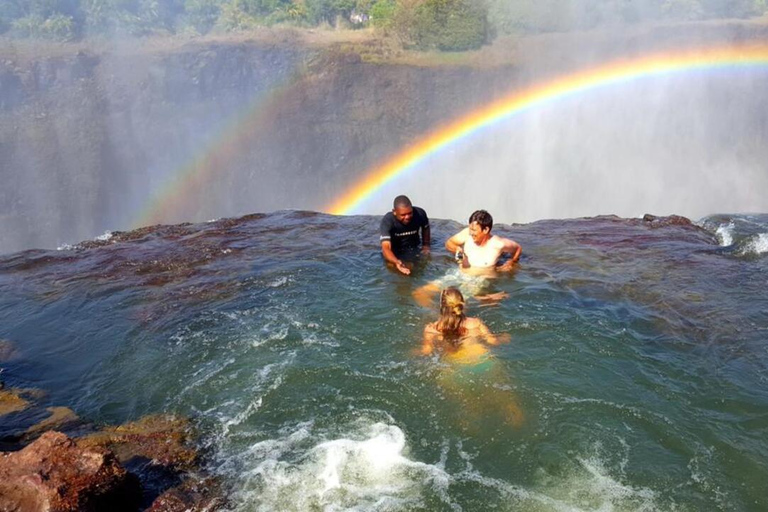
{"x": 431, "y": 328}
{"x": 472, "y": 323}
{"x": 498, "y": 242}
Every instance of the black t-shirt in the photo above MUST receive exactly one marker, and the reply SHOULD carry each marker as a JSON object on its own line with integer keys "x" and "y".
{"x": 404, "y": 237}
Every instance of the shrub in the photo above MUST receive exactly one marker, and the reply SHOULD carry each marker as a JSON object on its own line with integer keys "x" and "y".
{"x": 201, "y": 14}
{"x": 56, "y": 27}
{"x": 449, "y": 25}
{"x": 233, "y": 18}
{"x": 382, "y": 13}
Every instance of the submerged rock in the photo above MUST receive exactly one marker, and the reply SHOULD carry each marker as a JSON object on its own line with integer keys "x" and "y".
{"x": 55, "y": 473}
{"x": 162, "y": 439}
{"x": 7, "y": 351}
{"x": 61, "y": 418}
{"x": 192, "y": 496}
{"x": 160, "y": 451}
{"x": 10, "y": 401}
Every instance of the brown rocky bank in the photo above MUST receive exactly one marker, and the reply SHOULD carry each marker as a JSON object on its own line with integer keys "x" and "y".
{"x": 148, "y": 464}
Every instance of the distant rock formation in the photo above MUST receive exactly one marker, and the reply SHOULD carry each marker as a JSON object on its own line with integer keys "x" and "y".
{"x": 670, "y": 220}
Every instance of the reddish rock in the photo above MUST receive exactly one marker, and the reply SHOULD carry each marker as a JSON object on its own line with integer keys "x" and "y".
{"x": 191, "y": 496}
{"x": 165, "y": 440}
{"x": 55, "y": 474}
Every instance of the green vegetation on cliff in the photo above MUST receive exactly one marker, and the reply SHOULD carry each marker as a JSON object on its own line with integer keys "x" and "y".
{"x": 448, "y": 25}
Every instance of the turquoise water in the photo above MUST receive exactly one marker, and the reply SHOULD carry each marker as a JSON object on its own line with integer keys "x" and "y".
{"x": 637, "y": 355}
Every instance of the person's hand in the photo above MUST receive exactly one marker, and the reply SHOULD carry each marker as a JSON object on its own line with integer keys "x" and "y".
{"x": 507, "y": 266}
{"x": 402, "y": 268}
{"x": 464, "y": 263}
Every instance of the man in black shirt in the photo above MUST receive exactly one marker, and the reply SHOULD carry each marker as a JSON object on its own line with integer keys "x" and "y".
{"x": 400, "y": 232}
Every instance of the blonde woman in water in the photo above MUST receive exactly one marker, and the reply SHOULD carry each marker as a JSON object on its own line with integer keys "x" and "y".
{"x": 458, "y": 335}
{"x": 472, "y": 375}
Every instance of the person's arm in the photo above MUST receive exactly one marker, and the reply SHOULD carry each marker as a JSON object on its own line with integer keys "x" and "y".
{"x": 423, "y": 294}
{"x": 489, "y": 337}
{"x": 389, "y": 256}
{"x": 486, "y": 333}
{"x": 513, "y": 249}
{"x": 385, "y": 235}
{"x": 426, "y": 239}
{"x": 457, "y": 241}
{"x": 428, "y": 342}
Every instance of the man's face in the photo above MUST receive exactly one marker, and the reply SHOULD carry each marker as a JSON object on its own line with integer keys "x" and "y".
{"x": 404, "y": 214}
{"x": 477, "y": 233}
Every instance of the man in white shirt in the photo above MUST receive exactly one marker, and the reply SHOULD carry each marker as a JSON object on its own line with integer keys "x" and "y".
{"x": 478, "y": 252}
{"x": 476, "y": 247}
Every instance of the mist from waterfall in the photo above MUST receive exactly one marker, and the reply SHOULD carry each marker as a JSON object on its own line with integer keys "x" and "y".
{"x": 691, "y": 144}
{"x": 134, "y": 134}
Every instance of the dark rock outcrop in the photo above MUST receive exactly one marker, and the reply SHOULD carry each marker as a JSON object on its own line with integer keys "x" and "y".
{"x": 670, "y": 220}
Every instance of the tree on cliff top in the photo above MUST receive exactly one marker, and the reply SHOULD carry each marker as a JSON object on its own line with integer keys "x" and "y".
{"x": 449, "y": 25}
{"x": 424, "y": 24}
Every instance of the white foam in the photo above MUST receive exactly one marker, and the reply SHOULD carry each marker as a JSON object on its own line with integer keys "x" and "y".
{"x": 724, "y": 233}
{"x": 756, "y": 245}
{"x": 590, "y": 486}
{"x": 365, "y": 471}
{"x": 279, "y": 282}
{"x": 105, "y": 237}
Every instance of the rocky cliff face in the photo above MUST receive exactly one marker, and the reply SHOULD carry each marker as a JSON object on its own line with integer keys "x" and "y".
{"x": 102, "y": 140}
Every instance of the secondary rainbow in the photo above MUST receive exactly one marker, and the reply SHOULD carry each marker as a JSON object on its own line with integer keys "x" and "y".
{"x": 610, "y": 74}
{"x": 190, "y": 180}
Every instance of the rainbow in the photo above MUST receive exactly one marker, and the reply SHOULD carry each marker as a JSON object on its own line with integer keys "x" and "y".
{"x": 610, "y": 74}
{"x": 172, "y": 199}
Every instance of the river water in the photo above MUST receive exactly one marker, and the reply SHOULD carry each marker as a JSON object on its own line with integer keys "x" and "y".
{"x": 637, "y": 356}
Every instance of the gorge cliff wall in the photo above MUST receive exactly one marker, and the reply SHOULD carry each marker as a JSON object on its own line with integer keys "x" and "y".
{"x": 106, "y": 140}
{"x": 110, "y": 138}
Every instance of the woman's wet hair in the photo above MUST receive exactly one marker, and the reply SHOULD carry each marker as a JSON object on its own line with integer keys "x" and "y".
{"x": 483, "y": 218}
{"x": 451, "y": 312}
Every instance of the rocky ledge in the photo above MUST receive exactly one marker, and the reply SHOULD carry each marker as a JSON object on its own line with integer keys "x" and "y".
{"x": 63, "y": 463}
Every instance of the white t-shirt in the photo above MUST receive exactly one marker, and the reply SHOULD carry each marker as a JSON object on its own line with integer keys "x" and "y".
{"x": 482, "y": 256}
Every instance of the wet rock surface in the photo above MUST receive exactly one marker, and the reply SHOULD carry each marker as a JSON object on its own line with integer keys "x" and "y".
{"x": 194, "y": 495}
{"x": 164, "y": 440}
{"x": 151, "y": 463}
{"x": 55, "y": 473}
{"x": 7, "y": 351}
{"x": 11, "y": 401}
